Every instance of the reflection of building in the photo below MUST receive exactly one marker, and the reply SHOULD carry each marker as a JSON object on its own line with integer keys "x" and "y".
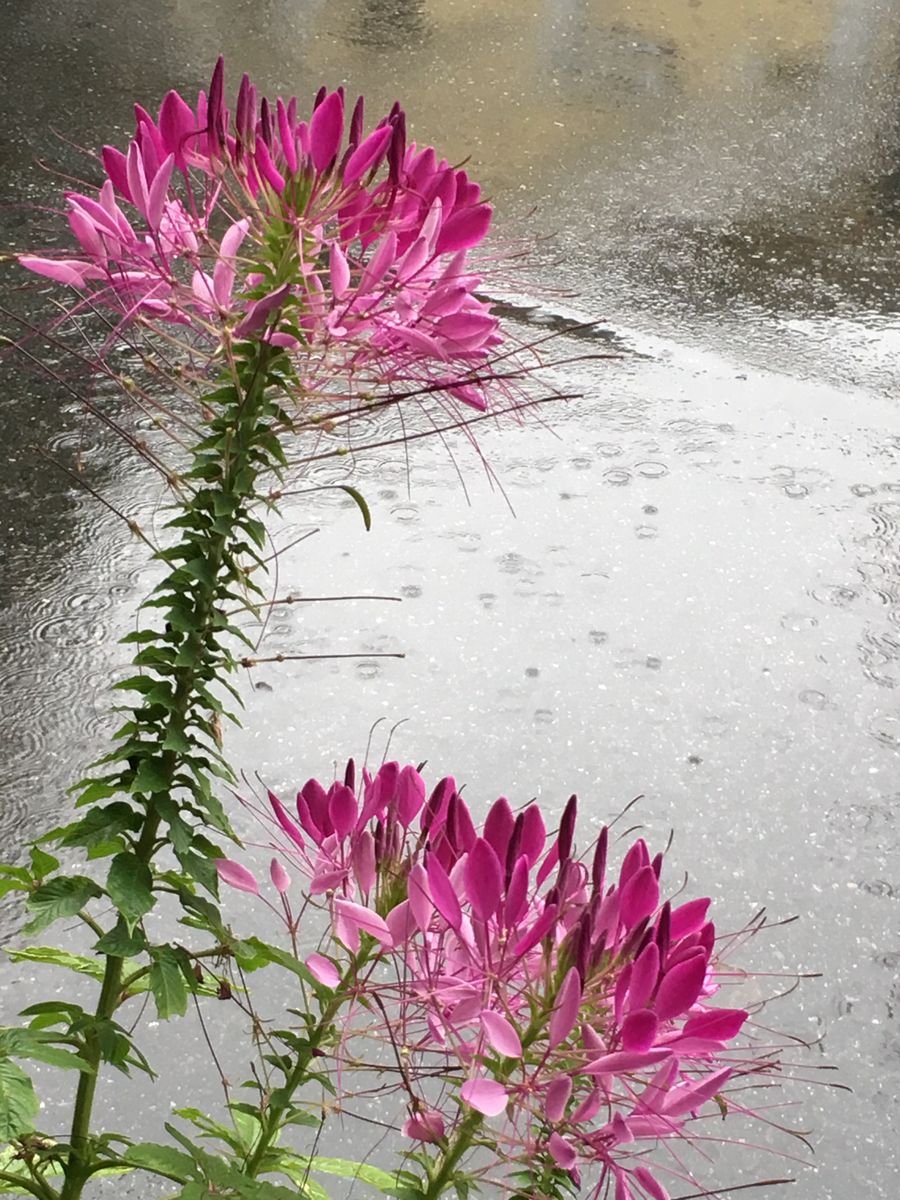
{"x": 764, "y": 119}
{"x": 389, "y": 24}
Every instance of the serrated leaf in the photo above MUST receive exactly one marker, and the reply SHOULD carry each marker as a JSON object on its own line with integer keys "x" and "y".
{"x": 150, "y": 777}
{"x": 28, "y": 1043}
{"x": 167, "y": 983}
{"x": 161, "y": 1160}
{"x": 19, "y": 1104}
{"x": 56, "y": 898}
{"x": 59, "y": 958}
{"x": 130, "y": 887}
{"x": 121, "y": 942}
{"x": 42, "y": 863}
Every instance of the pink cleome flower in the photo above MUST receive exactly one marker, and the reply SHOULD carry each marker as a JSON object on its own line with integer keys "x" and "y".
{"x": 348, "y": 249}
{"x": 569, "y": 1003}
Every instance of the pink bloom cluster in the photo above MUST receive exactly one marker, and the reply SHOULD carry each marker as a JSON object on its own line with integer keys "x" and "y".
{"x": 348, "y": 249}
{"x": 566, "y": 1000}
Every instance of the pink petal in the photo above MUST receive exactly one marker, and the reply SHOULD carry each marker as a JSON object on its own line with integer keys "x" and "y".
{"x": 339, "y": 269}
{"x": 562, "y": 1152}
{"x": 260, "y": 312}
{"x": 266, "y": 168}
{"x": 62, "y": 270}
{"x": 443, "y": 895}
{"x": 485, "y": 1096}
{"x": 363, "y": 858}
{"x": 589, "y": 1107}
{"x": 236, "y": 876}
{"x": 401, "y": 922}
{"x": 379, "y": 263}
{"x": 176, "y": 124}
{"x": 625, "y": 1060}
{"x": 500, "y": 1034}
{"x": 686, "y": 1097}
{"x": 644, "y": 974}
{"x": 115, "y": 165}
{"x": 639, "y": 1030}
{"x": 326, "y": 128}
{"x": 285, "y": 821}
{"x": 568, "y": 1002}
{"x": 680, "y": 987}
{"x": 342, "y": 809}
{"x": 720, "y": 1024}
{"x": 279, "y": 876}
{"x": 534, "y": 834}
{"x": 639, "y": 897}
{"x": 464, "y": 228}
{"x": 410, "y": 795}
{"x": 367, "y": 154}
{"x": 352, "y": 919}
{"x": 498, "y": 826}
{"x": 483, "y": 877}
{"x": 623, "y": 1191}
{"x": 417, "y": 340}
{"x": 638, "y": 856}
{"x": 650, "y": 1184}
{"x": 158, "y": 190}
{"x": 516, "y": 893}
{"x": 419, "y": 895}
{"x": 688, "y": 918}
{"x": 323, "y": 970}
{"x": 557, "y": 1097}
{"x": 538, "y": 930}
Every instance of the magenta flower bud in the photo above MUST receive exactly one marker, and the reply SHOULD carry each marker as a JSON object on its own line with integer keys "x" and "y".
{"x": 567, "y": 829}
{"x": 281, "y": 880}
{"x": 320, "y": 96}
{"x": 216, "y": 113}
{"x": 356, "y": 123}
{"x": 326, "y": 129}
{"x": 397, "y": 148}
{"x": 236, "y": 876}
{"x": 425, "y": 1125}
{"x": 350, "y": 775}
{"x": 598, "y": 866}
{"x": 265, "y": 123}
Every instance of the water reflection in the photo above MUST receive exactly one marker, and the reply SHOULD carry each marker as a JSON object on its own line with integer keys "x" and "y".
{"x": 700, "y": 596}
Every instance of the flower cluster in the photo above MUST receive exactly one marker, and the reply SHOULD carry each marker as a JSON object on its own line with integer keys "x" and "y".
{"x": 346, "y": 248}
{"x": 566, "y": 1001}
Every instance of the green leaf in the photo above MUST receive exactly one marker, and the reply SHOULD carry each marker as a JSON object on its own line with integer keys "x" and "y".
{"x": 161, "y": 1160}
{"x": 150, "y": 777}
{"x": 59, "y": 958}
{"x": 19, "y": 1104}
{"x": 263, "y": 952}
{"x": 360, "y": 503}
{"x": 130, "y": 887}
{"x": 167, "y": 983}
{"x": 101, "y": 825}
{"x": 62, "y": 897}
{"x": 121, "y": 942}
{"x": 29, "y": 1043}
{"x": 42, "y": 863}
{"x": 384, "y": 1181}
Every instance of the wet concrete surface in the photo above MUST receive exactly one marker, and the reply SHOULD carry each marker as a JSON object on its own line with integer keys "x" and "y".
{"x": 696, "y": 595}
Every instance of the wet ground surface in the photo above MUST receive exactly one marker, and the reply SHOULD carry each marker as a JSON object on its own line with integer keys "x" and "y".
{"x": 697, "y": 594}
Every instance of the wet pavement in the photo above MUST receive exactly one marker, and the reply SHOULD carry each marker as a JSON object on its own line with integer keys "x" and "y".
{"x": 696, "y": 595}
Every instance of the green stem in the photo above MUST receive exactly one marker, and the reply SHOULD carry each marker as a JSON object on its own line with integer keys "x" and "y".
{"x": 440, "y": 1175}
{"x": 271, "y": 1117}
{"x": 237, "y": 459}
